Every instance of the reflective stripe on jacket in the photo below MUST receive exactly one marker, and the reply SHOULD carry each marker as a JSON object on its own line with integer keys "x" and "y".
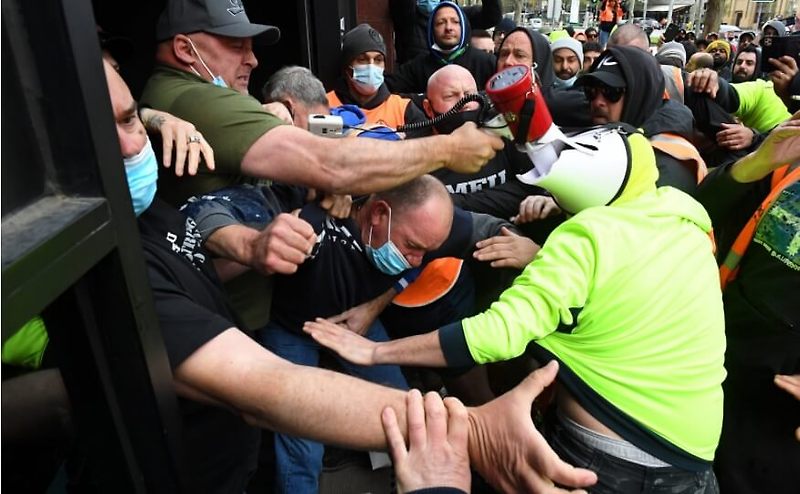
{"x": 682, "y": 150}
{"x": 781, "y": 178}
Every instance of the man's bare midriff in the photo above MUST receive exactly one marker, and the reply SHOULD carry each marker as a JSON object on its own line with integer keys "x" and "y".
{"x": 572, "y": 409}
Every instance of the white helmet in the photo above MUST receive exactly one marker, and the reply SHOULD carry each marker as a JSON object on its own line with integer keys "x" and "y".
{"x": 591, "y": 169}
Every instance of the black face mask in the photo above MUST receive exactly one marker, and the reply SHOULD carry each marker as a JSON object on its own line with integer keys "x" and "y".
{"x": 451, "y": 123}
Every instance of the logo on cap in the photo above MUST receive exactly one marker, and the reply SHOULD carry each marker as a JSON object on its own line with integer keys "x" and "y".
{"x": 236, "y": 7}
{"x": 609, "y": 60}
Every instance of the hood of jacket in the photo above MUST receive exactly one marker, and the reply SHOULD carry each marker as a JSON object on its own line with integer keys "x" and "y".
{"x": 644, "y": 94}
{"x": 542, "y": 56}
{"x": 463, "y": 41}
{"x": 776, "y": 25}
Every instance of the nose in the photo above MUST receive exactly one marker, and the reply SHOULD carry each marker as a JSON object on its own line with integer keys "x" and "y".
{"x": 250, "y": 59}
{"x": 130, "y": 143}
{"x": 508, "y": 62}
{"x": 414, "y": 259}
{"x": 472, "y": 105}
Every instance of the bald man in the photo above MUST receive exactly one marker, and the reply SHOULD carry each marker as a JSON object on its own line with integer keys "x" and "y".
{"x": 494, "y": 189}
{"x": 630, "y": 35}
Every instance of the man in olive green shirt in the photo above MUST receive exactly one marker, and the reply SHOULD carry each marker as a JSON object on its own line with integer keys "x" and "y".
{"x": 204, "y": 60}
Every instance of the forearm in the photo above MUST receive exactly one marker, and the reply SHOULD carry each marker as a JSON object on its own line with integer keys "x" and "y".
{"x": 228, "y": 270}
{"x": 343, "y": 166}
{"x": 152, "y": 119}
{"x": 421, "y": 350}
{"x": 337, "y": 409}
{"x": 234, "y": 242}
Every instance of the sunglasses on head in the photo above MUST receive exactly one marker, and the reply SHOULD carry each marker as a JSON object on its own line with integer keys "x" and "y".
{"x": 611, "y": 94}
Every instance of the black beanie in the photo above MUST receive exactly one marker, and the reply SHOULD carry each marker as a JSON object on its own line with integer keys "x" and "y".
{"x": 360, "y": 39}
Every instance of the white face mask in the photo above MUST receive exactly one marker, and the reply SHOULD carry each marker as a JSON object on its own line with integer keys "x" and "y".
{"x": 216, "y": 80}
{"x": 565, "y": 82}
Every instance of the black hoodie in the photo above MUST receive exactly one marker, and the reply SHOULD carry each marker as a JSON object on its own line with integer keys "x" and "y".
{"x": 412, "y": 77}
{"x": 645, "y": 108}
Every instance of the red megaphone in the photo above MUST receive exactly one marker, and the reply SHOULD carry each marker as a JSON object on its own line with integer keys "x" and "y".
{"x": 517, "y": 97}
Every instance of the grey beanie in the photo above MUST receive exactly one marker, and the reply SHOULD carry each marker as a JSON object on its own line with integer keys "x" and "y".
{"x": 360, "y": 39}
{"x": 569, "y": 43}
{"x": 673, "y": 49}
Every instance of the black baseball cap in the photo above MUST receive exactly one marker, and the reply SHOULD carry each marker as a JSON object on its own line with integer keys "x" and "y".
{"x": 223, "y": 17}
{"x": 606, "y": 70}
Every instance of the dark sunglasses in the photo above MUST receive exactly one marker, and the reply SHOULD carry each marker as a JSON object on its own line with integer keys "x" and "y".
{"x": 591, "y": 36}
{"x": 612, "y": 94}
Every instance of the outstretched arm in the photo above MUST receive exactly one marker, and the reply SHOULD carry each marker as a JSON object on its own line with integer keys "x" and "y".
{"x": 270, "y": 392}
{"x": 356, "y": 166}
{"x": 421, "y": 350}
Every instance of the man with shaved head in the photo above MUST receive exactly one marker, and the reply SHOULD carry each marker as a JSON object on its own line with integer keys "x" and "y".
{"x": 472, "y": 191}
{"x": 630, "y": 35}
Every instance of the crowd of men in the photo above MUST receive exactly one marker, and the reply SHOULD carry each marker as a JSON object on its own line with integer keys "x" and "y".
{"x": 650, "y": 250}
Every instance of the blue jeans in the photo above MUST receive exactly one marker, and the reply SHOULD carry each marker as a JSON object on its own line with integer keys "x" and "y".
{"x": 604, "y": 35}
{"x": 299, "y": 461}
{"x": 618, "y": 476}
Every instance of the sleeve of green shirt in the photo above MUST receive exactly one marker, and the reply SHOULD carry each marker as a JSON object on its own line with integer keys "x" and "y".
{"x": 229, "y": 121}
{"x": 759, "y": 106}
{"x": 547, "y": 295}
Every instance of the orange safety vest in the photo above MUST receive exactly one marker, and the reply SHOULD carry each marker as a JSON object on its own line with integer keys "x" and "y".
{"x": 781, "y": 178}
{"x": 682, "y": 150}
{"x": 437, "y": 278}
{"x": 391, "y": 113}
{"x": 607, "y": 14}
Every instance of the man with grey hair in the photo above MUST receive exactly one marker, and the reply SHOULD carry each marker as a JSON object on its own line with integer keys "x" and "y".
{"x": 299, "y": 90}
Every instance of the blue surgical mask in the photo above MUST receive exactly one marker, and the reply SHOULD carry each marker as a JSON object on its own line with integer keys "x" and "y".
{"x": 427, "y": 6}
{"x": 216, "y": 80}
{"x": 387, "y": 258}
{"x": 369, "y": 75}
{"x": 142, "y": 173}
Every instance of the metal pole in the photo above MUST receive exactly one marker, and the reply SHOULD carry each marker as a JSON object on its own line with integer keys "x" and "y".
{"x": 669, "y": 12}
{"x": 759, "y": 24}
{"x": 644, "y": 10}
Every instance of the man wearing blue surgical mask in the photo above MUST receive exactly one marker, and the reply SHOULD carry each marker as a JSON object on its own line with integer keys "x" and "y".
{"x": 363, "y": 60}
{"x": 354, "y": 260}
{"x": 226, "y": 401}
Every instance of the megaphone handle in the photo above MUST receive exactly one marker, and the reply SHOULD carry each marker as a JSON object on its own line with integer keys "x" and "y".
{"x": 525, "y": 118}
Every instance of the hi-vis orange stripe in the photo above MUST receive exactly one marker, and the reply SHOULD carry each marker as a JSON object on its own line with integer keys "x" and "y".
{"x": 682, "y": 150}
{"x": 781, "y": 178}
{"x": 436, "y": 279}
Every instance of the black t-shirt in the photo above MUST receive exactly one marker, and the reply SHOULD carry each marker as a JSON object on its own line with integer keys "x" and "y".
{"x": 219, "y": 447}
{"x": 338, "y": 275}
